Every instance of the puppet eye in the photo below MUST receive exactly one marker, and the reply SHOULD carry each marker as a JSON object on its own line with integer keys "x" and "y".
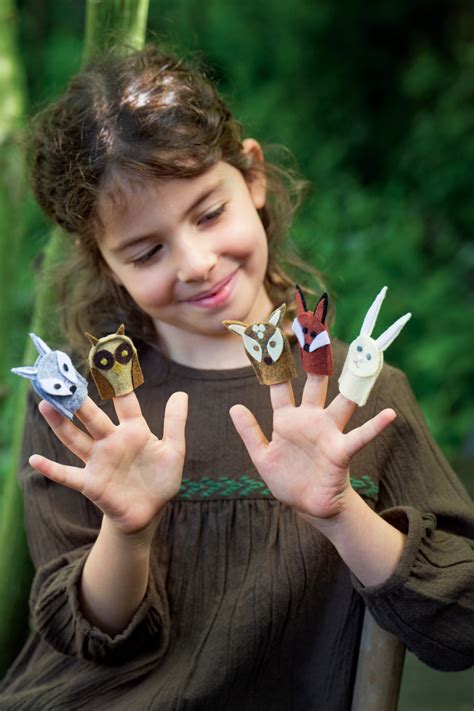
{"x": 276, "y": 345}
{"x": 359, "y": 348}
{"x": 313, "y": 334}
{"x": 252, "y": 347}
{"x": 123, "y": 353}
{"x": 65, "y": 366}
{"x": 368, "y": 356}
{"x": 305, "y": 330}
{"x": 103, "y": 360}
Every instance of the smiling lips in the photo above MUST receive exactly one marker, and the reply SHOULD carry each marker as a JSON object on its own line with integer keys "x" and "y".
{"x": 215, "y": 296}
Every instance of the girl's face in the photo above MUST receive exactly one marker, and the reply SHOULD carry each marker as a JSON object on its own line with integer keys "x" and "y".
{"x": 192, "y": 252}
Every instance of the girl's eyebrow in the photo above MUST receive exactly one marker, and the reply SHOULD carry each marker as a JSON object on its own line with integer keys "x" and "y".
{"x": 202, "y": 197}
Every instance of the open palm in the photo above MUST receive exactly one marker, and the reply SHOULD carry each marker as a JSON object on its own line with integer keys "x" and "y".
{"x": 306, "y": 463}
{"x": 129, "y": 473}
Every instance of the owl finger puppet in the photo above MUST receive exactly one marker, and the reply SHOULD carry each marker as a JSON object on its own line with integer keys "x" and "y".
{"x": 267, "y": 348}
{"x": 114, "y": 365}
{"x": 311, "y": 331}
{"x": 364, "y": 359}
{"x": 55, "y": 379}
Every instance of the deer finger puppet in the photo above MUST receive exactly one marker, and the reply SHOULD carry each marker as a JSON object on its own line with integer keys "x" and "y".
{"x": 364, "y": 359}
{"x": 311, "y": 331}
{"x": 267, "y": 348}
{"x": 114, "y": 364}
{"x": 55, "y": 379}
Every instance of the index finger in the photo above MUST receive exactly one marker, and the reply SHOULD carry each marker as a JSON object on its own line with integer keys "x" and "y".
{"x": 315, "y": 390}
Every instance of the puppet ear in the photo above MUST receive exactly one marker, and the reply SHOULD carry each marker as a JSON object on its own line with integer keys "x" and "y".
{"x": 388, "y": 336}
{"x": 236, "y": 326}
{"x": 321, "y": 309}
{"x": 300, "y": 300}
{"x": 371, "y": 315}
{"x": 276, "y": 316}
{"x": 40, "y": 345}
{"x": 137, "y": 375}
{"x": 92, "y": 339}
{"x": 120, "y": 330}
{"x": 28, "y": 371}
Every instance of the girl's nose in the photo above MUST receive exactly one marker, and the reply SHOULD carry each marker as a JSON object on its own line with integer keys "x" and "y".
{"x": 195, "y": 263}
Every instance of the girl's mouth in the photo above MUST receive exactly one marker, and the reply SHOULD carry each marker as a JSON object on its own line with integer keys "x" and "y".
{"x": 218, "y": 296}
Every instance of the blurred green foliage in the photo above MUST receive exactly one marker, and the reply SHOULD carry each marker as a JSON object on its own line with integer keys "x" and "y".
{"x": 376, "y": 102}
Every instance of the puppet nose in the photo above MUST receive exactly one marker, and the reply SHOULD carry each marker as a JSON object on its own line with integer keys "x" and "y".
{"x": 306, "y": 347}
{"x": 73, "y": 389}
{"x": 268, "y": 360}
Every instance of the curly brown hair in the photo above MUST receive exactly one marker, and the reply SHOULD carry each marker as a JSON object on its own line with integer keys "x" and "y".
{"x": 145, "y": 116}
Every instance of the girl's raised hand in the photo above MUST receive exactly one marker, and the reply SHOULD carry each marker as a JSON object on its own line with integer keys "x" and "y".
{"x": 129, "y": 473}
{"x": 306, "y": 463}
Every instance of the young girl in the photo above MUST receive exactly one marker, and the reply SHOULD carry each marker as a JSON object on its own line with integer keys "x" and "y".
{"x": 216, "y": 558}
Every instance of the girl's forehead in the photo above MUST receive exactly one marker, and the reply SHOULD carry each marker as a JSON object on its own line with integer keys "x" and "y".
{"x": 125, "y": 200}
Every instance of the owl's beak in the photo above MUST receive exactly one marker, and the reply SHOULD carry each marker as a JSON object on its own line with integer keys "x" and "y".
{"x": 118, "y": 368}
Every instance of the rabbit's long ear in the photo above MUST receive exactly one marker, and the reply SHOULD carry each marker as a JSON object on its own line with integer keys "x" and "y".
{"x": 40, "y": 345}
{"x": 388, "y": 336}
{"x": 372, "y": 313}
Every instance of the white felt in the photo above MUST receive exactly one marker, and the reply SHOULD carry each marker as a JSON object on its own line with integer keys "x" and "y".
{"x": 322, "y": 339}
{"x": 371, "y": 315}
{"x": 297, "y": 329}
{"x": 388, "y": 336}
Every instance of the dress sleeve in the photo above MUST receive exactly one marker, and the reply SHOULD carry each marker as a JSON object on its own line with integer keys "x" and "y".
{"x": 428, "y": 601}
{"x": 61, "y": 527}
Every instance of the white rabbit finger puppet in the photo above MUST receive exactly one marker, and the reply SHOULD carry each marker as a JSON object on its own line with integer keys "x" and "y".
{"x": 364, "y": 359}
{"x": 267, "y": 348}
{"x": 55, "y": 379}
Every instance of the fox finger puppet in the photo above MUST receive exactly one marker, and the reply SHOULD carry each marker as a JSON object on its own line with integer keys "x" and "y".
{"x": 311, "y": 331}
{"x": 55, "y": 379}
{"x": 364, "y": 359}
{"x": 267, "y": 348}
{"x": 114, "y": 364}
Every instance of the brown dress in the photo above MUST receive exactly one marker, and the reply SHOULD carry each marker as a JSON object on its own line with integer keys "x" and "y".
{"x": 248, "y": 607}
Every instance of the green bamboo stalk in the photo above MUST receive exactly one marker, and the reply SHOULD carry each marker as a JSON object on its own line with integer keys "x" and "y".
{"x": 12, "y": 173}
{"x": 107, "y": 22}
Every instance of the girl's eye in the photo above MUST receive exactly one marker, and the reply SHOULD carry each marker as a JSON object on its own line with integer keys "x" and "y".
{"x": 210, "y": 217}
{"x": 140, "y": 261}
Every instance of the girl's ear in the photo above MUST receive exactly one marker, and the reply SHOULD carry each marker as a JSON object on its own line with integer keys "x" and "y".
{"x": 256, "y": 181}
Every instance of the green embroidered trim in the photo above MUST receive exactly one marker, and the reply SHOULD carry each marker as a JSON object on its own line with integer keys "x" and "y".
{"x": 366, "y": 485}
{"x": 244, "y": 486}
{"x": 223, "y": 486}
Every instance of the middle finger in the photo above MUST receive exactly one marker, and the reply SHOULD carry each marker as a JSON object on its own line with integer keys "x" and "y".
{"x": 315, "y": 390}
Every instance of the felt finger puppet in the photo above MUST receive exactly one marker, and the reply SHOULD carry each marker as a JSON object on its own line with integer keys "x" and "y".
{"x": 55, "y": 379}
{"x": 267, "y": 348}
{"x": 311, "y": 331}
{"x": 364, "y": 359}
{"x": 114, "y": 365}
